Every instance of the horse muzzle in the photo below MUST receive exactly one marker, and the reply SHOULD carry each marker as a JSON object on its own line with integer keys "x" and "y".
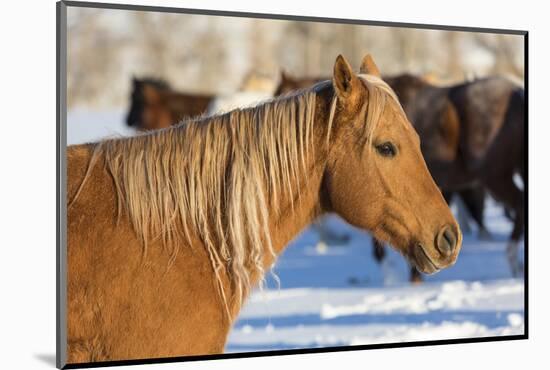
{"x": 442, "y": 254}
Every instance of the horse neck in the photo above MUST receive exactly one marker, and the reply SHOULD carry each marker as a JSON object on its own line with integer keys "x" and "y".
{"x": 301, "y": 207}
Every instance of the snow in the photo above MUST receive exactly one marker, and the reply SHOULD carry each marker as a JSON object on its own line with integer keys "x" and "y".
{"x": 339, "y": 295}
{"x": 241, "y": 99}
{"x": 293, "y": 318}
{"x": 84, "y": 125}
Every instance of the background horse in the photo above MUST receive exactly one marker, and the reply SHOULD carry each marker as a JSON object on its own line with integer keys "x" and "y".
{"x": 407, "y": 87}
{"x": 155, "y": 105}
{"x": 288, "y": 83}
{"x": 169, "y": 230}
{"x": 466, "y": 130}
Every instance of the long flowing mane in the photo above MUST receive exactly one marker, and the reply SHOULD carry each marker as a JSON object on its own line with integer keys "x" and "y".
{"x": 221, "y": 177}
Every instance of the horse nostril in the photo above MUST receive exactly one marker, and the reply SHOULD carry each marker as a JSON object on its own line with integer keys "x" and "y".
{"x": 446, "y": 241}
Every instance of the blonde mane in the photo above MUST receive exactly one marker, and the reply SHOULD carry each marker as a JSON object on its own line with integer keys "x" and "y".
{"x": 220, "y": 177}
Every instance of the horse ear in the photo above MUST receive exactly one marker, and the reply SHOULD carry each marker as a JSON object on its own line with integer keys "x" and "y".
{"x": 369, "y": 67}
{"x": 345, "y": 82}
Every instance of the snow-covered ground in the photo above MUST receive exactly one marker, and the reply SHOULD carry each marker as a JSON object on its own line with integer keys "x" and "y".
{"x": 339, "y": 296}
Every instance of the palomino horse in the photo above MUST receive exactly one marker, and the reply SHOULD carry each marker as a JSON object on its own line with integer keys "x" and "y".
{"x": 472, "y": 138}
{"x": 168, "y": 231}
{"x": 155, "y": 105}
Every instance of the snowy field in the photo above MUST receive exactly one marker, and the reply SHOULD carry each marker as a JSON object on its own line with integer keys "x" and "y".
{"x": 338, "y": 295}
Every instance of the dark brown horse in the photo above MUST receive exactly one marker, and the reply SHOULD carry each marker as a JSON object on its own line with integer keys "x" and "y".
{"x": 472, "y": 139}
{"x": 168, "y": 231}
{"x": 155, "y": 105}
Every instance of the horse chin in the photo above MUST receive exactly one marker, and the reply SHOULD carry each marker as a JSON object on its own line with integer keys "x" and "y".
{"x": 421, "y": 259}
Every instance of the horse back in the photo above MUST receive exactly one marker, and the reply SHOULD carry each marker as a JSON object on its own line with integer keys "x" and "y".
{"x": 483, "y": 107}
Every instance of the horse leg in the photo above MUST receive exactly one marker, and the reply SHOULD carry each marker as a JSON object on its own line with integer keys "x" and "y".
{"x": 461, "y": 215}
{"x": 513, "y": 244}
{"x": 506, "y": 191}
{"x": 327, "y": 236}
{"x": 416, "y": 276}
{"x": 512, "y": 255}
{"x": 321, "y": 245}
{"x": 509, "y": 214}
{"x": 474, "y": 200}
{"x": 378, "y": 250}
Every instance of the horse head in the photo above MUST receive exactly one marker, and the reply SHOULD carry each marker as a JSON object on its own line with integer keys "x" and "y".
{"x": 376, "y": 177}
{"x": 146, "y": 107}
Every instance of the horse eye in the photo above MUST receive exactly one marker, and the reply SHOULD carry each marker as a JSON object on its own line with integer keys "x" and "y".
{"x": 386, "y": 149}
